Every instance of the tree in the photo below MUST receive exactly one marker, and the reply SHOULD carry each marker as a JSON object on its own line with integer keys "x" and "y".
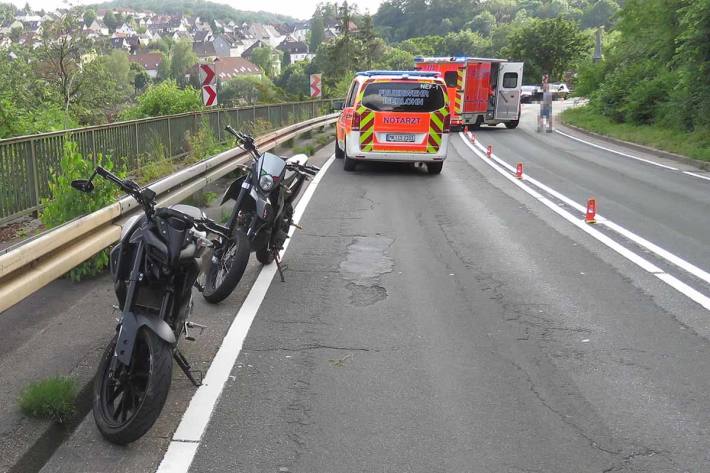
{"x": 263, "y": 57}
{"x": 7, "y": 12}
{"x": 483, "y": 23}
{"x": 317, "y": 32}
{"x": 182, "y": 58}
{"x": 600, "y": 13}
{"x": 548, "y": 47}
{"x": 89, "y": 16}
{"x": 140, "y": 77}
{"x": 111, "y": 21}
{"x": 62, "y": 49}
{"x": 249, "y": 90}
{"x": 16, "y": 32}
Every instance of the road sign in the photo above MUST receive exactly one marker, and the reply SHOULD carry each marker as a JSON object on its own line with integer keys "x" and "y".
{"x": 209, "y": 95}
{"x": 207, "y": 74}
{"x": 316, "y": 87}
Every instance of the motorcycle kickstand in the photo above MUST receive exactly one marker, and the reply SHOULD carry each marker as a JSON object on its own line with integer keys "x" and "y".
{"x": 185, "y": 367}
{"x": 278, "y": 265}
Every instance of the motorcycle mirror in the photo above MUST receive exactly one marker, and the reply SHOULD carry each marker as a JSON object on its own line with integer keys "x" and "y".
{"x": 83, "y": 185}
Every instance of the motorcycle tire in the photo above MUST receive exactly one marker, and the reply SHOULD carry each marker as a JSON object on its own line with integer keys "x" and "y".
{"x": 232, "y": 263}
{"x": 125, "y": 410}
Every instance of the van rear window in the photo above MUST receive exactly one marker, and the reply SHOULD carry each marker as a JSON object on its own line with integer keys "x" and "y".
{"x": 403, "y": 97}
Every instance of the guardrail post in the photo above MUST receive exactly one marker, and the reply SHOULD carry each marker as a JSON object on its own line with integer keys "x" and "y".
{"x": 170, "y": 140}
{"x": 137, "y": 149}
{"x": 33, "y": 158}
{"x": 93, "y": 146}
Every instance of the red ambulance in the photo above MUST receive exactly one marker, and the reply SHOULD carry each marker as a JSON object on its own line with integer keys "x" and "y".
{"x": 481, "y": 90}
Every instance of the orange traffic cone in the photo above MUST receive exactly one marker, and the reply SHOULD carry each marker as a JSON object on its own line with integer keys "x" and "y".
{"x": 591, "y": 216}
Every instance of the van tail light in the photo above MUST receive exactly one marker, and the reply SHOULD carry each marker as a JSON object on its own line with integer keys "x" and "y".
{"x": 355, "y": 123}
{"x": 447, "y": 123}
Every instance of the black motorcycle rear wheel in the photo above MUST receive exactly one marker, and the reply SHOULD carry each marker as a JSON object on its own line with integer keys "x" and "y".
{"x": 127, "y": 403}
{"x": 223, "y": 275}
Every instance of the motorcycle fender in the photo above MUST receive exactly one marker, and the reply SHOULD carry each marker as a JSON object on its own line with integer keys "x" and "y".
{"x": 232, "y": 191}
{"x": 130, "y": 324}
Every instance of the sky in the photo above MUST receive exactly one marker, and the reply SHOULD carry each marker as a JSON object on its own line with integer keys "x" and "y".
{"x": 301, "y": 9}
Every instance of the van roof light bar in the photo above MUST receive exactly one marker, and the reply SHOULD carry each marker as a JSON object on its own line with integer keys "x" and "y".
{"x": 399, "y": 73}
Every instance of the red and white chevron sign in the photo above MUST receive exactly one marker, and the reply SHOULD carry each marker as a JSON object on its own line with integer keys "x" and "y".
{"x": 207, "y": 74}
{"x": 316, "y": 88}
{"x": 209, "y": 95}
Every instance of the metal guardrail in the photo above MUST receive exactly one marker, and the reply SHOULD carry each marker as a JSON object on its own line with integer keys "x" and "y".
{"x": 35, "y": 263}
{"x": 26, "y": 162}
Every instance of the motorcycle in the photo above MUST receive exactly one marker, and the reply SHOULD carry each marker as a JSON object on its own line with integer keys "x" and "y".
{"x": 261, "y": 217}
{"x": 154, "y": 268}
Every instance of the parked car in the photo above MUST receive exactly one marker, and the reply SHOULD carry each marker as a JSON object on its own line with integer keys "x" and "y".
{"x": 559, "y": 90}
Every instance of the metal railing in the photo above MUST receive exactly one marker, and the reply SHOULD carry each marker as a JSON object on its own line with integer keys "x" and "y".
{"x": 36, "y": 262}
{"x": 27, "y": 162}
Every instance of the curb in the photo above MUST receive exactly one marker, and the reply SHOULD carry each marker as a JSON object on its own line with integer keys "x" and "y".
{"x": 703, "y": 165}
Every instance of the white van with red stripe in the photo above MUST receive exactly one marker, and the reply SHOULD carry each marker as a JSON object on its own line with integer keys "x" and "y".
{"x": 394, "y": 116}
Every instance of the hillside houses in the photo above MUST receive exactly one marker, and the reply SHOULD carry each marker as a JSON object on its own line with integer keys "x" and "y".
{"x": 139, "y": 34}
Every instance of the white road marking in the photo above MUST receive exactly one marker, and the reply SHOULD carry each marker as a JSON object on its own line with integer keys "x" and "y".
{"x": 188, "y": 435}
{"x": 700, "y": 176}
{"x": 671, "y": 280}
{"x": 617, "y": 152}
{"x": 639, "y": 240}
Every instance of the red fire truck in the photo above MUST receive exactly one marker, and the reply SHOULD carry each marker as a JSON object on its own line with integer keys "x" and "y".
{"x": 481, "y": 90}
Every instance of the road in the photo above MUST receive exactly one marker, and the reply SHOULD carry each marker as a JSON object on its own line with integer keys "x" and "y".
{"x": 454, "y": 323}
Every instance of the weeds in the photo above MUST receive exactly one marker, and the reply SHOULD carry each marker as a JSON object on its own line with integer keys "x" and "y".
{"x": 51, "y": 398}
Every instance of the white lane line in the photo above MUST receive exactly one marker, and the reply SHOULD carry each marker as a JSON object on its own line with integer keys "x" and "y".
{"x": 188, "y": 435}
{"x": 617, "y": 152}
{"x": 700, "y": 176}
{"x": 639, "y": 240}
{"x": 672, "y": 281}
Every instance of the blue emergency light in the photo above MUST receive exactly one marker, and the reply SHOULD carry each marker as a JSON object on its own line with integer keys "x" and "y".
{"x": 399, "y": 73}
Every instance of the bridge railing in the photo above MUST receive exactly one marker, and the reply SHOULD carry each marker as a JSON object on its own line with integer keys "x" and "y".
{"x": 26, "y": 162}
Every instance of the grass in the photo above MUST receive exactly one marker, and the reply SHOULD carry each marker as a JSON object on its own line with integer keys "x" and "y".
{"x": 51, "y": 398}
{"x": 694, "y": 145}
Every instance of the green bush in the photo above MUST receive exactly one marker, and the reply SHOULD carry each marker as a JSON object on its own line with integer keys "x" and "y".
{"x": 154, "y": 166}
{"x": 203, "y": 144}
{"x": 67, "y": 203}
{"x": 52, "y": 398}
{"x": 165, "y": 98}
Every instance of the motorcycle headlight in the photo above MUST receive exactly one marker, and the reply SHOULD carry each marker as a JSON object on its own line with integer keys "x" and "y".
{"x": 266, "y": 182}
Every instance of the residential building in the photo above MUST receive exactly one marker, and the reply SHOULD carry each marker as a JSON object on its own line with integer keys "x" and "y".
{"x": 149, "y": 61}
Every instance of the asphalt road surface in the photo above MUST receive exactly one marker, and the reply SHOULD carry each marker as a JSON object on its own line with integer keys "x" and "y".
{"x": 453, "y": 323}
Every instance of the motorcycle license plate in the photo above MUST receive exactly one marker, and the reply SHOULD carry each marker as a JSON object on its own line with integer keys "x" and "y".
{"x": 399, "y": 138}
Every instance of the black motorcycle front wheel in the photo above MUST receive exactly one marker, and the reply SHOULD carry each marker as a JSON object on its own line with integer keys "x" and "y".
{"x": 128, "y": 400}
{"x": 226, "y": 268}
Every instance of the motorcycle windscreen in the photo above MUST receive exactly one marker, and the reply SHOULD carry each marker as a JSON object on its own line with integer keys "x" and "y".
{"x": 272, "y": 165}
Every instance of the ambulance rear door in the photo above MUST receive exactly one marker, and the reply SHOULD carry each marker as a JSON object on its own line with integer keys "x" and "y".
{"x": 510, "y": 80}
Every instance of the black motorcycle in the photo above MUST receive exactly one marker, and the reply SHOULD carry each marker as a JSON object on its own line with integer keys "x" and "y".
{"x": 154, "y": 267}
{"x": 261, "y": 217}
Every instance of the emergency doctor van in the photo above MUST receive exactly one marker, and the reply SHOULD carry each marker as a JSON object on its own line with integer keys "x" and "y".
{"x": 394, "y": 116}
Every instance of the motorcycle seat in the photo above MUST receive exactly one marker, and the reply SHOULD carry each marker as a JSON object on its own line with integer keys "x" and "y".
{"x": 300, "y": 159}
{"x": 188, "y": 210}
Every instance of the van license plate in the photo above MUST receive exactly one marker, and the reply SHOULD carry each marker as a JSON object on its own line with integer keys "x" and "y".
{"x": 400, "y": 138}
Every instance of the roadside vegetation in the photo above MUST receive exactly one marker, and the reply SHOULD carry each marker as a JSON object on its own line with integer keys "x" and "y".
{"x": 652, "y": 85}
{"x": 694, "y": 144}
{"x": 52, "y": 398}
